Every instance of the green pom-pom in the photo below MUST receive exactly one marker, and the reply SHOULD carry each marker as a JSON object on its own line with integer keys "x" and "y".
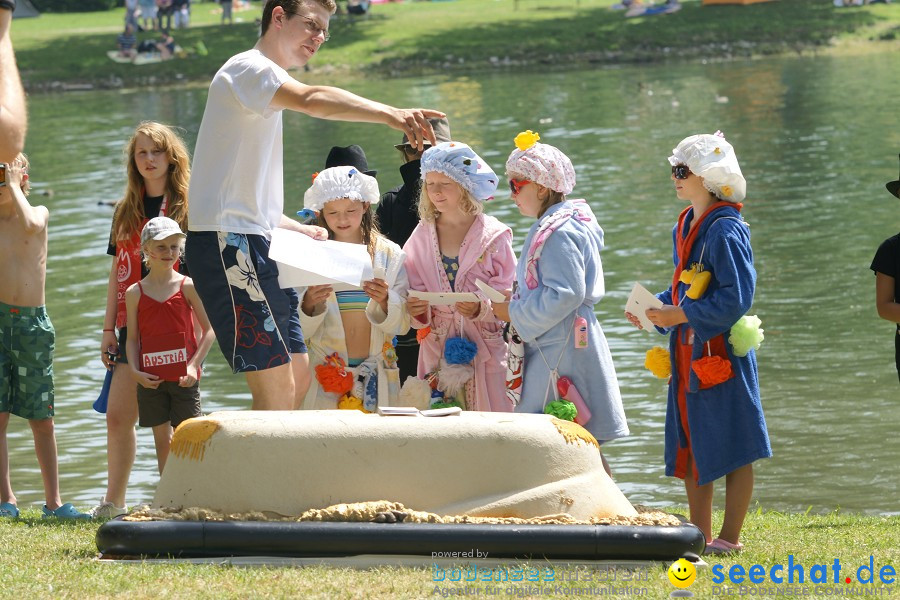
{"x": 562, "y": 409}
{"x": 446, "y": 405}
{"x": 746, "y": 335}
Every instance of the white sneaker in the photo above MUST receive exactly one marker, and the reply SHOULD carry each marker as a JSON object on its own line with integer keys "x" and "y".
{"x": 107, "y": 510}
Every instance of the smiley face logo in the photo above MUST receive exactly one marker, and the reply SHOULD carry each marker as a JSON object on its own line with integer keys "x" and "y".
{"x": 682, "y": 573}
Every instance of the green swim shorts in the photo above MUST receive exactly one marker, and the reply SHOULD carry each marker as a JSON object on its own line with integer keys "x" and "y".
{"x": 27, "y": 340}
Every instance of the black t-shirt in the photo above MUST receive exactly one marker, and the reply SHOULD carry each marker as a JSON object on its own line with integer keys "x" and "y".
{"x": 398, "y": 211}
{"x": 887, "y": 262}
{"x": 152, "y": 204}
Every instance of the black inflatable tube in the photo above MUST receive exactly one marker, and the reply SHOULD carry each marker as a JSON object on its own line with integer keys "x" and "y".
{"x": 193, "y": 539}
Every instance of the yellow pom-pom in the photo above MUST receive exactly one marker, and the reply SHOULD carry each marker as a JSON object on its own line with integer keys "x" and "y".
{"x": 726, "y": 190}
{"x": 348, "y": 402}
{"x": 526, "y": 139}
{"x": 658, "y": 362}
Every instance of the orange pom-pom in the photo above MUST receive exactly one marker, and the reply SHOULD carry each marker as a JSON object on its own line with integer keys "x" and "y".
{"x": 314, "y": 175}
{"x": 333, "y": 376}
{"x": 712, "y": 370}
{"x": 421, "y": 334}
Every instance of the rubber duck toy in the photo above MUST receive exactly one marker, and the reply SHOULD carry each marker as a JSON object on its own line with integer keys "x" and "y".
{"x": 697, "y": 279}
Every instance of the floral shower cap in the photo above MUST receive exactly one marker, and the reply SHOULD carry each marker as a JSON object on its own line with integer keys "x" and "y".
{"x": 460, "y": 163}
{"x": 543, "y": 164}
{"x": 713, "y": 159}
{"x": 341, "y": 182}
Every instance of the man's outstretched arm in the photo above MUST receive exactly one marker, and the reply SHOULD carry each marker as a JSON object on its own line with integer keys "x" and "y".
{"x": 336, "y": 104}
{"x": 13, "y": 117}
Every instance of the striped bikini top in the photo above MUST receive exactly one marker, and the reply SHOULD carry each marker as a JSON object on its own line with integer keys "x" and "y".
{"x": 352, "y": 300}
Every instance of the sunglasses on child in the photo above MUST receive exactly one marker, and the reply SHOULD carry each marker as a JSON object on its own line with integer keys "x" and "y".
{"x": 516, "y": 185}
{"x": 681, "y": 171}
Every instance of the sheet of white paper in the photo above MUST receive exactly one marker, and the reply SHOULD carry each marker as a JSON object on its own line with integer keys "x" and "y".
{"x": 444, "y": 299}
{"x": 639, "y": 301}
{"x": 492, "y": 294}
{"x": 305, "y": 261}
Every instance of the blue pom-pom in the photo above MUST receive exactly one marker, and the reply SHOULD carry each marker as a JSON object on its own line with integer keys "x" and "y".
{"x": 459, "y": 351}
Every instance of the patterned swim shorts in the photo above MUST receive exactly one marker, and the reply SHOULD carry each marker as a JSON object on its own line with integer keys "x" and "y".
{"x": 257, "y": 323}
{"x": 27, "y": 341}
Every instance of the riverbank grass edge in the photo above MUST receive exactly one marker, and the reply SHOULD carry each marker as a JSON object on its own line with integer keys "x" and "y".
{"x": 46, "y": 558}
{"x": 68, "y": 51}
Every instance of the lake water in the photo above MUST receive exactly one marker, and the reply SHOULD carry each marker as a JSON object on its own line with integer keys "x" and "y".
{"x": 816, "y": 140}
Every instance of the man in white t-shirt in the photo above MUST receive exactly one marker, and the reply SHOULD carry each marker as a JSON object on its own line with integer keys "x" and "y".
{"x": 237, "y": 197}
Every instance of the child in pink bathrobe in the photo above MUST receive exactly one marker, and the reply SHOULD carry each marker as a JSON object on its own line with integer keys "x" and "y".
{"x": 454, "y": 245}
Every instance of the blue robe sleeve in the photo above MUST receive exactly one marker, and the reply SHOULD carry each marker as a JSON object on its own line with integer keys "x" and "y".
{"x": 561, "y": 288}
{"x": 666, "y": 296}
{"x": 730, "y": 258}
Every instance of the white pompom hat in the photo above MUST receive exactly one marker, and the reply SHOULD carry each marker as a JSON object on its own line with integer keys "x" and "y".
{"x": 341, "y": 182}
{"x": 713, "y": 159}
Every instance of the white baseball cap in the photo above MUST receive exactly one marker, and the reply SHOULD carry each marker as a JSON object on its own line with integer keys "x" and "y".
{"x": 159, "y": 228}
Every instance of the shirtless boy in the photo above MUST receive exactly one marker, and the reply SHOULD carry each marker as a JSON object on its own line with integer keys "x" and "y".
{"x": 26, "y": 337}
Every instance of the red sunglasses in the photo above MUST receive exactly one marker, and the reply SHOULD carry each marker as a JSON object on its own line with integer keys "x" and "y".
{"x": 681, "y": 171}
{"x": 516, "y": 185}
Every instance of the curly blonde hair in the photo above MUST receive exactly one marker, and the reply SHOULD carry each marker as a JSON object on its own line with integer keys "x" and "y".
{"x": 129, "y": 212}
{"x": 467, "y": 204}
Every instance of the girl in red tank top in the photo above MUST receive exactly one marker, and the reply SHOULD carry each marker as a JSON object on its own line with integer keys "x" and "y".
{"x": 165, "y": 354}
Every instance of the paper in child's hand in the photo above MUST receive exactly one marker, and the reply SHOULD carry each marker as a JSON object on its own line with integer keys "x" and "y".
{"x": 444, "y": 298}
{"x": 492, "y": 294}
{"x": 638, "y": 303}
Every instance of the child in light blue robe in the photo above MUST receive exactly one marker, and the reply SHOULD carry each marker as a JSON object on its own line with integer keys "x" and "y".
{"x": 559, "y": 279}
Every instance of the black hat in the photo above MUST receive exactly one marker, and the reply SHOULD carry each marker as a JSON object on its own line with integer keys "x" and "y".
{"x": 893, "y": 187}
{"x": 349, "y": 156}
{"x": 441, "y": 129}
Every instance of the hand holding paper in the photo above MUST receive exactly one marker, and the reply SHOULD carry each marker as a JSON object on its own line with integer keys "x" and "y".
{"x": 492, "y": 294}
{"x": 303, "y": 261}
{"x": 416, "y": 307}
{"x": 638, "y": 303}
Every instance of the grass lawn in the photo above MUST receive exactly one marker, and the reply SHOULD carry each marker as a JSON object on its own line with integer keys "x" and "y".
{"x": 467, "y": 35}
{"x": 50, "y": 559}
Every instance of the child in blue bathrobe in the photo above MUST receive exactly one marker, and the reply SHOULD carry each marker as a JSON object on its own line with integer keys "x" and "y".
{"x": 714, "y": 420}
{"x": 559, "y": 279}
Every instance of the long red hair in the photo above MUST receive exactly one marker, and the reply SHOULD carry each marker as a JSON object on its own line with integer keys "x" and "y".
{"x": 129, "y": 211}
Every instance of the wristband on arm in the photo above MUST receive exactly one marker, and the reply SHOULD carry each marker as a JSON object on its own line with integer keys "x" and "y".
{"x": 8, "y": 4}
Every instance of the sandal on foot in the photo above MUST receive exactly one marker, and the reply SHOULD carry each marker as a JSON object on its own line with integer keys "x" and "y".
{"x": 9, "y": 510}
{"x": 719, "y": 546}
{"x": 66, "y": 511}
